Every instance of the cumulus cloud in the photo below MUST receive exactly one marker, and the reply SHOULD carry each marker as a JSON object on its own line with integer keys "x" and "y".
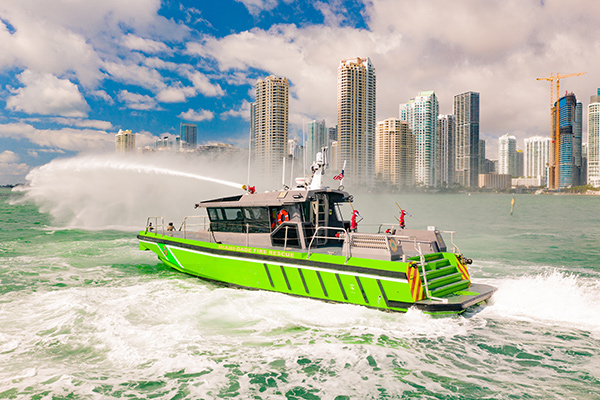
{"x": 196, "y": 116}
{"x": 47, "y": 95}
{"x": 135, "y": 42}
{"x": 8, "y": 156}
{"x": 137, "y": 101}
{"x": 255, "y": 7}
{"x": 69, "y": 139}
{"x": 78, "y": 36}
{"x": 134, "y": 74}
{"x": 13, "y": 173}
{"x": 243, "y": 111}
{"x": 497, "y": 49}
{"x": 101, "y": 94}
{"x": 83, "y": 123}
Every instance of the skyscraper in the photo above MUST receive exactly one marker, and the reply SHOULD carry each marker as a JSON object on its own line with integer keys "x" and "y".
{"x": 269, "y": 131}
{"x": 394, "y": 153}
{"x": 316, "y": 139}
{"x": 466, "y": 112}
{"x": 482, "y": 157}
{"x": 594, "y": 140}
{"x": 421, "y": 113}
{"x": 507, "y": 155}
{"x": 189, "y": 133}
{"x": 356, "y": 89}
{"x": 446, "y": 128}
{"x": 569, "y": 141}
{"x": 125, "y": 141}
{"x": 537, "y": 157}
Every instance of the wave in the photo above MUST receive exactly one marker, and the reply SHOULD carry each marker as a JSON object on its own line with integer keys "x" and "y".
{"x": 553, "y": 297}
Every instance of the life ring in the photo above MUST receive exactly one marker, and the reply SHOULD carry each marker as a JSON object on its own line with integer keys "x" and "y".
{"x": 282, "y": 217}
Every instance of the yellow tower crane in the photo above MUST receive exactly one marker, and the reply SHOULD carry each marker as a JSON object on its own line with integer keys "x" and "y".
{"x": 554, "y": 125}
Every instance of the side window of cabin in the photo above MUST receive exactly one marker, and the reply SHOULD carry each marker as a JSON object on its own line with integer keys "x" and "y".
{"x": 257, "y": 219}
{"x": 226, "y": 219}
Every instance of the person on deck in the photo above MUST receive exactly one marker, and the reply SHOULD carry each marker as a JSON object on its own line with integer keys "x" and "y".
{"x": 353, "y": 221}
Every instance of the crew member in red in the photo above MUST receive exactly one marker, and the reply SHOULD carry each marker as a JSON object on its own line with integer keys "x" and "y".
{"x": 401, "y": 220}
{"x": 353, "y": 221}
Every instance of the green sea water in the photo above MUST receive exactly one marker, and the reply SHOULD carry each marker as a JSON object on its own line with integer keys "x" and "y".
{"x": 85, "y": 315}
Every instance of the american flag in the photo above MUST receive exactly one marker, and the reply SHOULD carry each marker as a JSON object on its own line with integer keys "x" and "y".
{"x": 339, "y": 177}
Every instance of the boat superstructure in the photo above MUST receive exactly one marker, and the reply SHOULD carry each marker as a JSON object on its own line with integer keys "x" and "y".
{"x": 297, "y": 241}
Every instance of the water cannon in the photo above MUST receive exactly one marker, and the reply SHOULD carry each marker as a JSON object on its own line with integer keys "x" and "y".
{"x": 249, "y": 189}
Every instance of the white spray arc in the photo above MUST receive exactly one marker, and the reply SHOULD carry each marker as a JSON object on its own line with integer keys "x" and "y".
{"x": 116, "y": 192}
{"x": 120, "y": 165}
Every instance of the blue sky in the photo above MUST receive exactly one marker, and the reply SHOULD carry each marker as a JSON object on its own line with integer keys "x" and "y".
{"x": 74, "y": 72}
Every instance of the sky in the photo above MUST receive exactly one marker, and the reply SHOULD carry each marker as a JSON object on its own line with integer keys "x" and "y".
{"x": 74, "y": 72}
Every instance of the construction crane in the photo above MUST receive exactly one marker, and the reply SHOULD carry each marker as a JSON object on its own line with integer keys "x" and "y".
{"x": 554, "y": 126}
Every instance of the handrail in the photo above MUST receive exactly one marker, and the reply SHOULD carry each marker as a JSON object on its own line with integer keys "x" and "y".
{"x": 455, "y": 248}
{"x": 154, "y": 228}
{"x": 344, "y": 236}
{"x": 425, "y": 283}
{"x": 185, "y": 225}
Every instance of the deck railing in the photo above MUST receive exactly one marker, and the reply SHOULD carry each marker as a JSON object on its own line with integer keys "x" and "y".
{"x": 343, "y": 237}
{"x": 204, "y": 224}
{"x": 159, "y": 223}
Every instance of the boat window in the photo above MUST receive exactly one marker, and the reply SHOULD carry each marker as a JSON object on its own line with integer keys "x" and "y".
{"x": 235, "y": 219}
{"x": 226, "y": 219}
{"x": 286, "y": 236}
{"x": 233, "y": 214}
{"x": 257, "y": 219}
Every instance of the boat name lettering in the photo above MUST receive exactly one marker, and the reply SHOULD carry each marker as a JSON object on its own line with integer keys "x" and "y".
{"x": 253, "y": 250}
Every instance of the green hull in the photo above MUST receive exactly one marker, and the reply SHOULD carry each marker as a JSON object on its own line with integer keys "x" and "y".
{"x": 372, "y": 283}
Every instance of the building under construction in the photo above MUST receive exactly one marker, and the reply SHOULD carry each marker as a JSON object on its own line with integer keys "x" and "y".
{"x": 568, "y": 141}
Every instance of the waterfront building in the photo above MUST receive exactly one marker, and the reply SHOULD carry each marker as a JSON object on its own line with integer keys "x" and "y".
{"x": 316, "y": 139}
{"x": 537, "y": 157}
{"x": 482, "y": 157}
{"x": 394, "y": 153}
{"x": 125, "y": 141}
{"x": 593, "y": 169}
{"x": 269, "y": 130}
{"x": 168, "y": 143}
{"x": 332, "y": 134}
{"x": 189, "y": 135}
{"x": 334, "y": 157}
{"x": 519, "y": 169}
{"x": 356, "y": 99}
{"x": 528, "y": 182}
{"x": 495, "y": 181}
{"x": 584, "y": 163}
{"x": 446, "y": 134}
{"x": 466, "y": 112}
{"x": 421, "y": 113}
{"x": 569, "y": 141}
{"x": 507, "y": 155}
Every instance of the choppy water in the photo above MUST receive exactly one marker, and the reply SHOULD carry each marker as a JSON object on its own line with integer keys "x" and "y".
{"x": 85, "y": 315}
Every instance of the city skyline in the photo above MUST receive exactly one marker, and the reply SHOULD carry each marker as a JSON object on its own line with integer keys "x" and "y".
{"x": 74, "y": 75}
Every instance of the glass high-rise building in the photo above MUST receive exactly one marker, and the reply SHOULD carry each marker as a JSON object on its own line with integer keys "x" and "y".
{"x": 269, "y": 130}
{"x": 189, "y": 134}
{"x": 421, "y": 113}
{"x": 507, "y": 155}
{"x": 356, "y": 97}
{"x": 569, "y": 141}
{"x": 593, "y": 162}
{"x": 447, "y": 133}
{"x": 316, "y": 139}
{"x": 394, "y": 153}
{"x": 466, "y": 112}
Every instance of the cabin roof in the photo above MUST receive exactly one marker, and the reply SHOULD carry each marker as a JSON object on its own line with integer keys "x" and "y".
{"x": 274, "y": 198}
